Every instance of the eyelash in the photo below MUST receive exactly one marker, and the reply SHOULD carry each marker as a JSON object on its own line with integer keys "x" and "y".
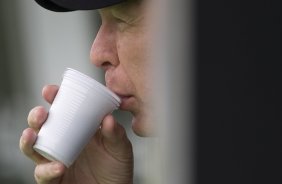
{"x": 122, "y": 20}
{"x": 119, "y": 20}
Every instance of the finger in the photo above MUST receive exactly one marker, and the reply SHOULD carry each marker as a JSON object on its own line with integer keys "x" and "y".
{"x": 49, "y": 92}
{"x": 48, "y": 172}
{"x": 114, "y": 135}
{"x": 110, "y": 129}
{"x": 27, "y": 141}
{"x": 37, "y": 117}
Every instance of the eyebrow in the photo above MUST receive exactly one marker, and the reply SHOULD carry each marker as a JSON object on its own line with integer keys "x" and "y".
{"x": 125, "y": 10}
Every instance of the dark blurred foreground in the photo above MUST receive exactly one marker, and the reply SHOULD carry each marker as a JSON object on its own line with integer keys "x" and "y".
{"x": 239, "y": 92}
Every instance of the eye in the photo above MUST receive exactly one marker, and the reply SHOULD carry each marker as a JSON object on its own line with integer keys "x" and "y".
{"x": 119, "y": 20}
{"x": 122, "y": 23}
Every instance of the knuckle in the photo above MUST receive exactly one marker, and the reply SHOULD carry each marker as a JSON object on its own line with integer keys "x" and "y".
{"x": 37, "y": 176}
{"x": 32, "y": 115}
{"x": 26, "y": 141}
{"x": 23, "y": 141}
{"x": 29, "y": 117}
{"x": 21, "y": 144}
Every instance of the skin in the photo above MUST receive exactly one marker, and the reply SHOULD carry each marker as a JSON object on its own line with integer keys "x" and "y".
{"x": 121, "y": 50}
{"x": 127, "y": 62}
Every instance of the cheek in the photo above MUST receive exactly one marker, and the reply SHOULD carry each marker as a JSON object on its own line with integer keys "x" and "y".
{"x": 134, "y": 60}
{"x": 134, "y": 56}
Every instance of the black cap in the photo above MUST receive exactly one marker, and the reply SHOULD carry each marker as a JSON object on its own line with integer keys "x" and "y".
{"x": 71, "y": 5}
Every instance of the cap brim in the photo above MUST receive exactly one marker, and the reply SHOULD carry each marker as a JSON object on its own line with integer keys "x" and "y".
{"x": 72, "y": 5}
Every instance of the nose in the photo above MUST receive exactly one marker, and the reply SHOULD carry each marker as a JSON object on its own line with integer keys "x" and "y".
{"x": 104, "y": 48}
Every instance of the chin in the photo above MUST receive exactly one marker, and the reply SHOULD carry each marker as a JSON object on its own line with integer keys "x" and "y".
{"x": 142, "y": 127}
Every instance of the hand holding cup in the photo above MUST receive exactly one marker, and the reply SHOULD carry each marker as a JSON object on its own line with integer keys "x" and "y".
{"x": 106, "y": 158}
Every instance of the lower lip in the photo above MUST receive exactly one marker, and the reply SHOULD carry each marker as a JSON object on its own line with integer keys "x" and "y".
{"x": 126, "y": 102}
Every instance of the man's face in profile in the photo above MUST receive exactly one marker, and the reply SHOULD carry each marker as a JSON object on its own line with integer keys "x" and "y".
{"x": 121, "y": 48}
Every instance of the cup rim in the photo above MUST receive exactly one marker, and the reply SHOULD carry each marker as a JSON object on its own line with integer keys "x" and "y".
{"x": 92, "y": 83}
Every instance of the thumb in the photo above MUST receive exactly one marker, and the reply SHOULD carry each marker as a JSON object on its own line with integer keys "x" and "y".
{"x": 114, "y": 135}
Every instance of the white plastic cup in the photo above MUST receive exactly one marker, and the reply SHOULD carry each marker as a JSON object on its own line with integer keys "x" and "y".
{"x": 77, "y": 111}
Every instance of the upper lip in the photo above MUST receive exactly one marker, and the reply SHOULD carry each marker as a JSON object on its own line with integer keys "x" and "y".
{"x": 111, "y": 84}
